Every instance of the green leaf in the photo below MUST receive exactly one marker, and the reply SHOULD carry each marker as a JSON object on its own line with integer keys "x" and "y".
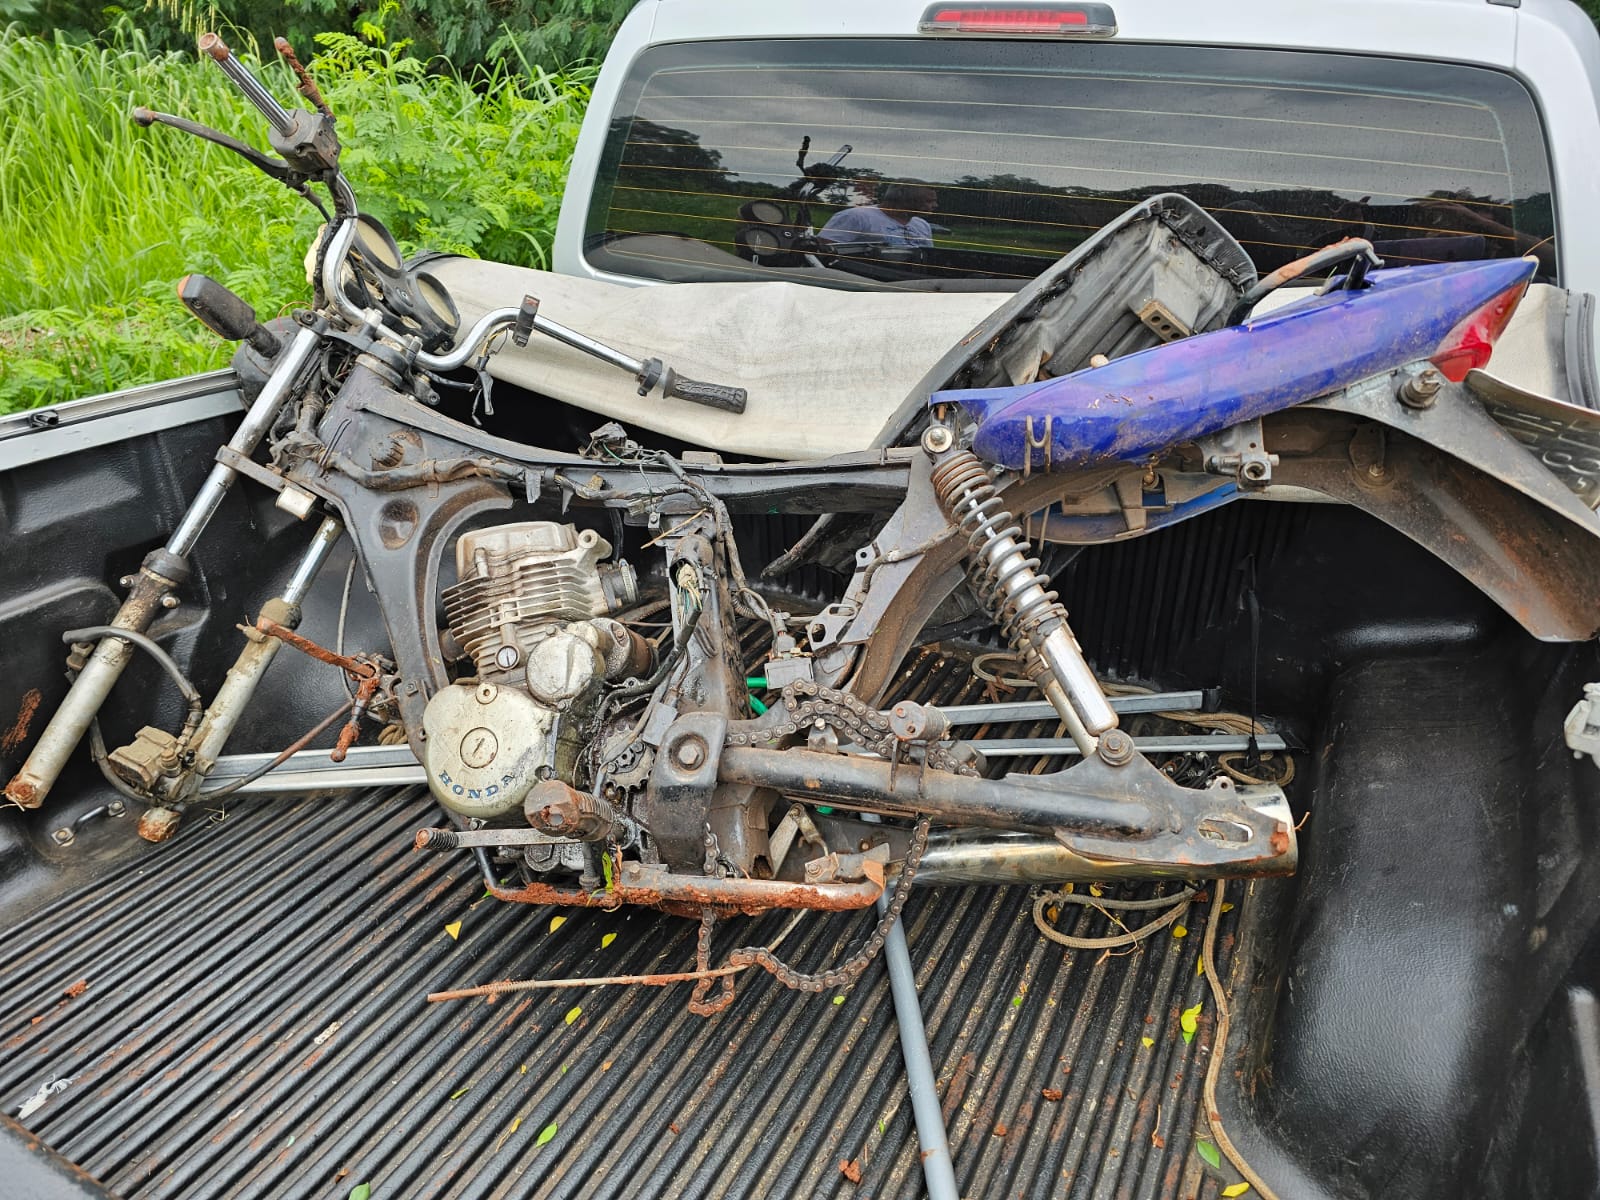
{"x": 1235, "y": 1189}
{"x": 606, "y": 939}
{"x": 361, "y": 1191}
{"x": 838, "y": 999}
{"x": 574, "y": 1013}
{"x": 1208, "y": 1152}
{"x": 545, "y": 1134}
{"x": 1016, "y": 1002}
{"x": 1190, "y": 1021}
{"x": 605, "y": 870}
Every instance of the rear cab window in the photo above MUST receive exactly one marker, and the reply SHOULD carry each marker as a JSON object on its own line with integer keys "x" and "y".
{"x": 950, "y": 164}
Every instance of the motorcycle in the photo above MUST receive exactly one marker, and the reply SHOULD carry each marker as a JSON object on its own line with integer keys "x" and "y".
{"x": 590, "y": 715}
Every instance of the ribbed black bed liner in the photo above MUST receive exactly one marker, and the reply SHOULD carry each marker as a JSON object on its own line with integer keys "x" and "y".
{"x": 254, "y": 1025}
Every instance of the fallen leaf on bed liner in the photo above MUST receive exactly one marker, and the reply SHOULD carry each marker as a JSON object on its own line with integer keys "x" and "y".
{"x": 1190, "y": 1021}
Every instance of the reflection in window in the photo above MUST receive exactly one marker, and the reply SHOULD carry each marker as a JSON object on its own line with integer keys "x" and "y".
{"x": 1030, "y": 148}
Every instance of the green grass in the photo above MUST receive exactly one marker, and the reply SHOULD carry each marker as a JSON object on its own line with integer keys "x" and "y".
{"x": 99, "y": 218}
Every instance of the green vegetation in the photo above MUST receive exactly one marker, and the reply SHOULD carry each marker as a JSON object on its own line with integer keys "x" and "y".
{"x": 101, "y": 218}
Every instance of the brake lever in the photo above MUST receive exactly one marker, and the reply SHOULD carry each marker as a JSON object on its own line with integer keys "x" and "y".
{"x": 308, "y": 85}
{"x": 272, "y": 168}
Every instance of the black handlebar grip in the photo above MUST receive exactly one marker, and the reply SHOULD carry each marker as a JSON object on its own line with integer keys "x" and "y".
{"x": 225, "y": 314}
{"x": 712, "y": 395}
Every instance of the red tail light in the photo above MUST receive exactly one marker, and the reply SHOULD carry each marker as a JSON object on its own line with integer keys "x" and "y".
{"x": 1471, "y": 342}
{"x": 1021, "y": 20}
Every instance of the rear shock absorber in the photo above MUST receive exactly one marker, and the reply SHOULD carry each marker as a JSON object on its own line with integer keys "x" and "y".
{"x": 1016, "y": 592}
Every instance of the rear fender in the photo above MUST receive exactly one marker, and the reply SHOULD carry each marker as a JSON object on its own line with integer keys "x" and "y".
{"x": 1147, "y": 402}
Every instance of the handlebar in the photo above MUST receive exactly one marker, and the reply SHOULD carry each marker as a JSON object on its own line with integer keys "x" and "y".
{"x": 341, "y": 238}
{"x": 277, "y": 116}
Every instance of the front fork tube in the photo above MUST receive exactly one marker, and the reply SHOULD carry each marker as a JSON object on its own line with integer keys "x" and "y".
{"x": 233, "y": 697}
{"x": 152, "y": 589}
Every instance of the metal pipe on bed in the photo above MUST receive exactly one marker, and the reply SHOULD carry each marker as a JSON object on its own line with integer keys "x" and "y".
{"x": 934, "y": 1138}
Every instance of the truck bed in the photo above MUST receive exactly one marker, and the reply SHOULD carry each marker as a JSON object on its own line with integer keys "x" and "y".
{"x": 223, "y": 1035}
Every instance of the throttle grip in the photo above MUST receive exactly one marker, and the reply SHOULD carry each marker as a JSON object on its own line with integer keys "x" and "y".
{"x": 712, "y": 395}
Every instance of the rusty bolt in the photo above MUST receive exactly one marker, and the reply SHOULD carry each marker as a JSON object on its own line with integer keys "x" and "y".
{"x": 169, "y": 601}
{"x": 116, "y": 808}
{"x": 63, "y": 836}
{"x": 125, "y": 581}
{"x": 1116, "y": 748}
{"x": 1421, "y": 390}
{"x": 689, "y": 752}
{"x": 937, "y": 439}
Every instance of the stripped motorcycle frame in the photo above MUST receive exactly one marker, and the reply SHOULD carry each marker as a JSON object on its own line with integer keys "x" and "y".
{"x": 404, "y": 479}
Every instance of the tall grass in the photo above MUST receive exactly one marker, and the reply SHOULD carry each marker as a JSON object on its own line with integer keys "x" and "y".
{"x": 99, "y": 218}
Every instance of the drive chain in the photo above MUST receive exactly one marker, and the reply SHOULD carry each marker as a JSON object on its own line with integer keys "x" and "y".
{"x": 843, "y": 975}
{"x": 806, "y": 703}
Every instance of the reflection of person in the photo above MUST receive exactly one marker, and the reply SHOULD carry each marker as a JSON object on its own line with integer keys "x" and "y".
{"x": 893, "y": 220}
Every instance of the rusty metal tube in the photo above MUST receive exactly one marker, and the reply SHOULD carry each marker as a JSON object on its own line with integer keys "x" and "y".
{"x": 654, "y": 887}
{"x": 240, "y": 684}
{"x": 29, "y": 787}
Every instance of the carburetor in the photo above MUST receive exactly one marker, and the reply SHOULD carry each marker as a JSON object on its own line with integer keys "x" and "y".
{"x": 531, "y": 607}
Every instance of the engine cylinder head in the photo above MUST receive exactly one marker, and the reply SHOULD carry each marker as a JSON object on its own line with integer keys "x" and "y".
{"x": 519, "y": 583}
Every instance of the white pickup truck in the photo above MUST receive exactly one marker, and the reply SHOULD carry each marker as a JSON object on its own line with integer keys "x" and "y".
{"x": 1414, "y": 1013}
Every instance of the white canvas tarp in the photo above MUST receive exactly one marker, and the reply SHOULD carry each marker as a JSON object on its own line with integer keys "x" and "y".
{"x": 825, "y": 369}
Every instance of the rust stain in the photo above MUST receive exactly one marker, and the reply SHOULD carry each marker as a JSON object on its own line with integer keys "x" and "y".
{"x": 1052, "y": 1094}
{"x": 22, "y": 793}
{"x": 158, "y": 824}
{"x": 1280, "y": 839}
{"x": 956, "y": 1091}
{"x": 74, "y": 990}
{"x": 18, "y": 733}
{"x": 850, "y": 1169}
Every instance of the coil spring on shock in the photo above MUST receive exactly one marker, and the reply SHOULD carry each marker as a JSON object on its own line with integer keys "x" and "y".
{"x": 1012, "y": 585}
{"x": 1016, "y": 591}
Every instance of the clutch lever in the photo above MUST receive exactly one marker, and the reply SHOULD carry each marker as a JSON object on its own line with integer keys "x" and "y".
{"x": 648, "y": 372}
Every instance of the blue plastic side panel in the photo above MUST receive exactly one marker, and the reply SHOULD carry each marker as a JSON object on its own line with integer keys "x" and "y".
{"x": 1147, "y": 402}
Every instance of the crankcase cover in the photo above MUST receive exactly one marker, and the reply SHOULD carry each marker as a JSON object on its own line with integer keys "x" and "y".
{"x": 485, "y": 746}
